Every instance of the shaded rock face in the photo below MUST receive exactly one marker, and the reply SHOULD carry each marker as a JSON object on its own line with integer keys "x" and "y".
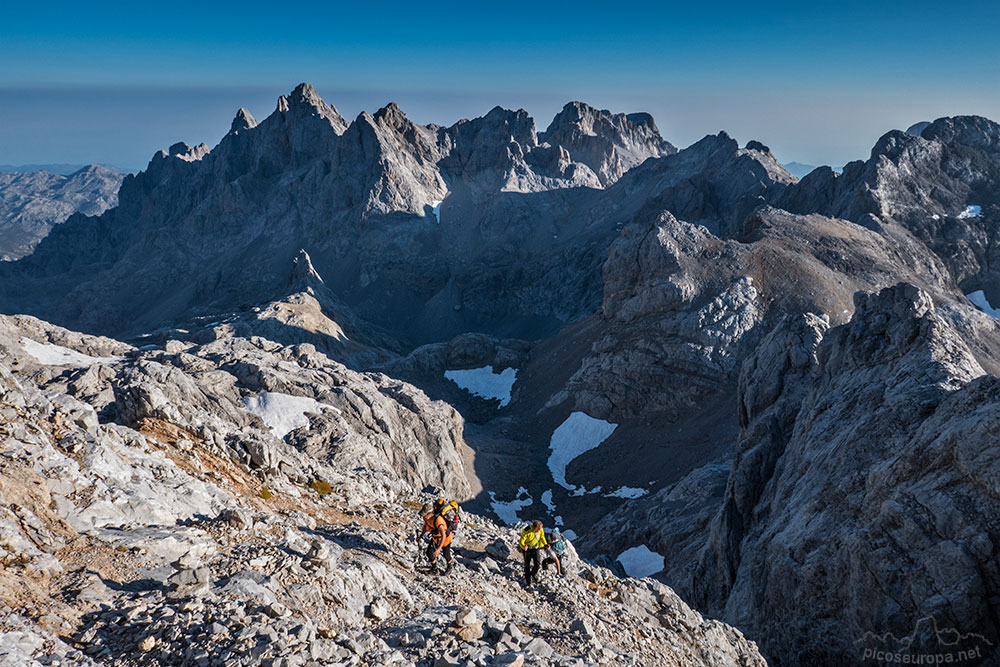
{"x": 865, "y": 490}
{"x": 32, "y": 203}
{"x": 194, "y": 534}
{"x": 856, "y": 500}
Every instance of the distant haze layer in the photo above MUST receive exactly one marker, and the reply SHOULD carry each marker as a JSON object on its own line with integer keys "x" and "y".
{"x": 124, "y": 126}
{"x": 818, "y": 83}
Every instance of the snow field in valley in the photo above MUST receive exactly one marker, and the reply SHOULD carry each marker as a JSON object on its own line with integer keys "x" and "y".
{"x": 483, "y": 382}
{"x": 507, "y": 511}
{"x": 578, "y": 434}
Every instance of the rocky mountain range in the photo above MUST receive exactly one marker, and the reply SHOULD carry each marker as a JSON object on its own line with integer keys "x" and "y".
{"x": 33, "y": 202}
{"x": 776, "y": 395}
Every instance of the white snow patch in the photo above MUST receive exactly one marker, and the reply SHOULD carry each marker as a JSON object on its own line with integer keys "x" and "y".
{"x": 485, "y": 383}
{"x": 978, "y": 299}
{"x": 508, "y": 511}
{"x": 971, "y": 212}
{"x": 569, "y": 534}
{"x": 627, "y": 492}
{"x": 640, "y": 561}
{"x": 283, "y": 413}
{"x": 57, "y": 355}
{"x": 547, "y": 501}
{"x": 558, "y": 520}
{"x": 578, "y": 434}
{"x": 935, "y": 217}
{"x": 436, "y": 209}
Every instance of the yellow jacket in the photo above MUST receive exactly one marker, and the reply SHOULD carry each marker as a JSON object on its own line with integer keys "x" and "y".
{"x": 532, "y": 540}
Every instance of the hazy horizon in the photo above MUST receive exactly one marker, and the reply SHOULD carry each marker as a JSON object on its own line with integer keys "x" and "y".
{"x": 818, "y": 85}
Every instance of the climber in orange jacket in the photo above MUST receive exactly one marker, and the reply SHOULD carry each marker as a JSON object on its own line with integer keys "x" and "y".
{"x": 436, "y": 526}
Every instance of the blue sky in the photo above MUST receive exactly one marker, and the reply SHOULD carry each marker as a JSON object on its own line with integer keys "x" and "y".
{"x": 818, "y": 82}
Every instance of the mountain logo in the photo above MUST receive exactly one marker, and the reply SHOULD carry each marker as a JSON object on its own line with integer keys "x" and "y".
{"x": 928, "y": 644}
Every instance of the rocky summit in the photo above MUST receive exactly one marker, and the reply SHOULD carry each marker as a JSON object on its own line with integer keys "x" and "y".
{"x": 744, "y": 397}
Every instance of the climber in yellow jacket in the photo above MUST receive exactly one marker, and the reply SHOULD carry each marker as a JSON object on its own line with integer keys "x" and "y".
{"x": 531, "y": 543}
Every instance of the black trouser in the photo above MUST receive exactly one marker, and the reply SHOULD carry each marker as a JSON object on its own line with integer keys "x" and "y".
{"x": 532, "y": 561}
{"x": 445, "y": 551}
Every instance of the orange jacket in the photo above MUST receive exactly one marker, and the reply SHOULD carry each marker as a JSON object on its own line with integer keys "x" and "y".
{"x": 437, "y": 526}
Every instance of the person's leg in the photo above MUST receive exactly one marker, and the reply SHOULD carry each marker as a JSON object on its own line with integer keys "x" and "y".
{"x": 558, "y": 563}
{"x": 446, "y": 551}
{"x": 431, "y": 559}
{"x": 535, "y": 562}
{"x": 527, "y": 566}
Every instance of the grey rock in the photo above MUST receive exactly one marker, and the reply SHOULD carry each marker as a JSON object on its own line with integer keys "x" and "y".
{"x": 610, "y": 144}
{"x": 583, "y": 628}
{"x": 378, "y": 609}
{"x": 539, "y": 647}
{"x": 499, "y": 549}
{"x": 32, "y": 203}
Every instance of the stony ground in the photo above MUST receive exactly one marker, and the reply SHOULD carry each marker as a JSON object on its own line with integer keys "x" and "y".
{"x": 167, "y": 543}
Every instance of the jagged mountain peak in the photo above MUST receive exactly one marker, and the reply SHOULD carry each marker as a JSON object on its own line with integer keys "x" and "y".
{"x": 304, "y": 100}
{"x": 577, "y": 113}
{"x": 307, "y": 93}
{"x": 610, "y": 144}
{"x": 591, "y": 120}
{"x": 391, "y": 113}
{"x": 303, "y": 270}
{"x": 179, "y": 148}
{"x": 244, "y": 120}
{"x": 184, "y": 151}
